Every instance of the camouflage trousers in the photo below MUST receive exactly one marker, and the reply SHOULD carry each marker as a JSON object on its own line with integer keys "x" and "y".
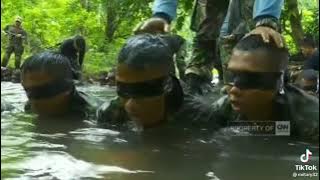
{"x": 240, "y": 22}
{"x": 225, "y": 46}
{"x": 17, "y": 50}
{"x": 206, "y": 22}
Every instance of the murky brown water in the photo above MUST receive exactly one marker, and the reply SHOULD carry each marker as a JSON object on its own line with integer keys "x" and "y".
{"x": 48, "y": 150}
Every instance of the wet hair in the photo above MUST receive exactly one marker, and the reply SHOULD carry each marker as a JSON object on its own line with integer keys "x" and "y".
{"x": 146, "y": 50}
{"x": 277, "y": 57}
{"x": 310, "y": 75}
{"x": 308, "y": 40}
{"x": 52, "y": 63}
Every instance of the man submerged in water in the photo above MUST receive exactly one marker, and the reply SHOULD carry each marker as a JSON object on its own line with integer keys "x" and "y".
{"x": 47, "y": 80}
{"x": 148, "y": 94}
{"x": 257, "y": 91}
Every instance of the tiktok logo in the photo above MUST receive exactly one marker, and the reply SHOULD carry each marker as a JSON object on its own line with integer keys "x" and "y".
{"x": 306, "y": 157}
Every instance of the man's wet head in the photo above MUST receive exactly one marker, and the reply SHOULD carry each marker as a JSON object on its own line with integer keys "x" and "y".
{"x": 143, "y": 81}
{"x": 255, "y": 74}
{"x": 47, "y": 80}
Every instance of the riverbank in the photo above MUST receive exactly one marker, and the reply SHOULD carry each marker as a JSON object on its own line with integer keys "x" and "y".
{"x": 95, "y": 68}
{"x": 101, "y": 77}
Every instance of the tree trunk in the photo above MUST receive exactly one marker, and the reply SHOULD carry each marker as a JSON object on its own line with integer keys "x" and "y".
{"x": 295, "y": 21}
{"x": 111, "y": 21}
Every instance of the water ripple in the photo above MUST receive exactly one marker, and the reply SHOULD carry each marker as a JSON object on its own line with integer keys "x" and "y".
{"x": 65, "y": 167}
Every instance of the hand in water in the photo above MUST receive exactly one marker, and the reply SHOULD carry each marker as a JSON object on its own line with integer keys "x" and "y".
{"x": 153, "y": 25}
{"x": 267, "y": 34}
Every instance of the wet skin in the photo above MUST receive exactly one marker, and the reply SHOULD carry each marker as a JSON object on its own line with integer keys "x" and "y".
{"x": 255, "y": 104}
{"x": 52, "y": 106}
{"x": 147, "y": 111}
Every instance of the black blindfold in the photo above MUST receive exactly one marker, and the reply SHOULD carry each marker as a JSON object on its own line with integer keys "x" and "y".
{"x": 253, "y": 80}
{"x": 50, "y": 89}
{"x": 154, "y": 87}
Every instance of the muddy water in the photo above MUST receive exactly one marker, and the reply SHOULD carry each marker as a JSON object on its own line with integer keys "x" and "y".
{"x": 48, "y": 150}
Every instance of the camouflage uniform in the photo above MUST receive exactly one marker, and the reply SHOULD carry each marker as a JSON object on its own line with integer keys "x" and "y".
{"x": 206, "y": 21}
{"x": 207, "y": 18}
{"x": 238, "y": 22}
{"x": 15, "y": 45}
{"x": 301, "y": 109}
{"x": 179, "y": 60}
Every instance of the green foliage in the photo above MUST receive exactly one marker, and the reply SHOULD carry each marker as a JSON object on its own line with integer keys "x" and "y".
{"x": 309, "y": 13}
{"x": 107, "y": 23}
{"x": 50, "y": 22}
